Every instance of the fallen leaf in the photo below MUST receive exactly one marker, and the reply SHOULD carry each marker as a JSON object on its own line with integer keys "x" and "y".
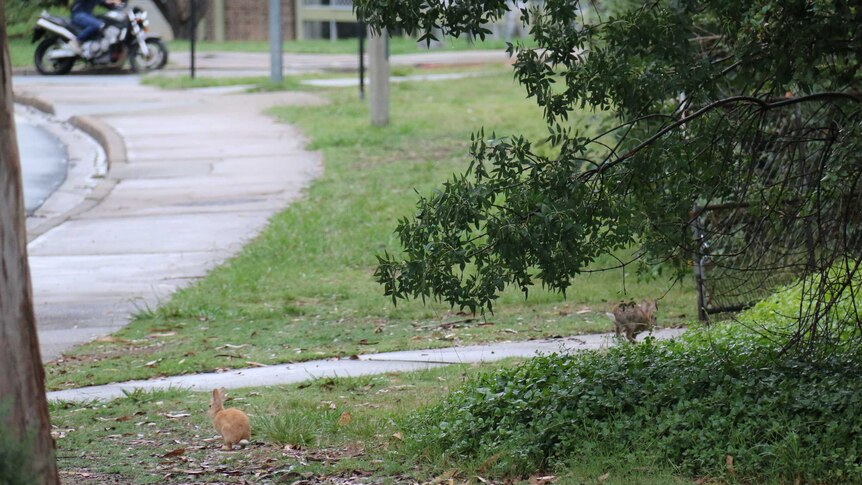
{"x": 398, "y": 436}
{"x": 231, "y": 356}
{"x": 252, "y": 363}
{"x": 378, "y": 330}
{"x": 729, "y": 461}
{"x": 123, "y": 418}
{"x": 604, "y": 477}
{"x": 152, "y": 363}
{"x": 447, "y": 477}
{"x": 354, "y": 357}
{"x": 162, "y": 334}
{"x": 345, "y": 419}
{"x": 542, "y": 480}
{"x": 177, "y": 452}
{"x": 177, "y": 415}
{"x": 231, "y": 346}
{"x": 110, "y": 339}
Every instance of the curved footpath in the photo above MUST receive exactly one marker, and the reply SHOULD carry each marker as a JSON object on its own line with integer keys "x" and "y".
{"x": 408, "y": 360}
{"x": 192, "y": 176}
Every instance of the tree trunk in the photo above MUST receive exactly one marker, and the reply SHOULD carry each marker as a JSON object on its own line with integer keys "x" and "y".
{"x": 22, "y": 386}
{"x": 178, "y": 12}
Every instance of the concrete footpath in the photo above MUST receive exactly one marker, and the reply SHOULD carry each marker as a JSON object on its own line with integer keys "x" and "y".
{"x": 410, "y": 360}
{"x": 192, "y": 176}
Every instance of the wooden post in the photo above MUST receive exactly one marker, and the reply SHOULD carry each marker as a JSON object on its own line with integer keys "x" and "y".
{"x": 22, "y": 379}
{"x": 276, "y": 39}
{"x": 378, "y": 60}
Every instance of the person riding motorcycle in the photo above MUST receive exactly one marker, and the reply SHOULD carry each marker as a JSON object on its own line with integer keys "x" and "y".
{"x": 82, "y": 16}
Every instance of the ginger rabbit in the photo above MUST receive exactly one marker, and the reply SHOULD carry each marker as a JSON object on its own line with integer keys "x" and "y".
{"x": 231, "y": 423}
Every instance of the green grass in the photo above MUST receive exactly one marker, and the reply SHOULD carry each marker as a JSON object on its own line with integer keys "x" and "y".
{"x": 397, "y": 45}
{"x": 304, "y": 290}
{"x": 325, "y": 428}
{"x": 718, "y": 404}
{"x": 262, "y": 83}
{"x": 21, "y": 52}
{"x": 255, "y": 83}
{"x": 127, "y": 438}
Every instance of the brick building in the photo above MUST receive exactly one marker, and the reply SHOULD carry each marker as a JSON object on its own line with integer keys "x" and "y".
{"x": 228, "y": 20}
{"x": 245, "y": 20}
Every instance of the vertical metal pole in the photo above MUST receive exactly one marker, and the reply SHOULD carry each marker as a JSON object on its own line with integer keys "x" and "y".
{"x": 699, "y": 272}
{"x": 379, "y": 69}
{"x": 193, "y": 34}
{"x": 276, "y": 39}
{"x": 218, "y": 21}
{"x": 361, "y": 60}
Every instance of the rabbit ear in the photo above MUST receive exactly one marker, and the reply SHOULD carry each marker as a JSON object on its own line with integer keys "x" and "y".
{"x": 216, "y": 397}
{"x": 222, "y": 392}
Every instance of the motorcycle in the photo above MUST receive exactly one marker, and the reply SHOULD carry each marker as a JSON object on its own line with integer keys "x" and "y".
{"x": 124, "y": 36}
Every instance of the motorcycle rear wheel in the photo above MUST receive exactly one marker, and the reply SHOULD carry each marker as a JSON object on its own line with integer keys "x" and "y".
{"x": 51, "y": 67}
{"x": 157, "y": 59}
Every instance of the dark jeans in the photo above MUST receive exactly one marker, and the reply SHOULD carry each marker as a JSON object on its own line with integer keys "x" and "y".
{"x": 88, "y": 23}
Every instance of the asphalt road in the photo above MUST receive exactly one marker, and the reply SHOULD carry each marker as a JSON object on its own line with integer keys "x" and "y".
{"x": 43, "y": 162}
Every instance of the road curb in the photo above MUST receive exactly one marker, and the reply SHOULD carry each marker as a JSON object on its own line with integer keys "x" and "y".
{"x": 115, "y": 154}
{"x": 106, "y": 135}
{"x": 34, "y": 102}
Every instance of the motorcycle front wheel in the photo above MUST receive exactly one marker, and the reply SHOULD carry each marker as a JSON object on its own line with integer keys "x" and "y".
{"x": 157, "y": 58}
{"x": 46, "y": 65}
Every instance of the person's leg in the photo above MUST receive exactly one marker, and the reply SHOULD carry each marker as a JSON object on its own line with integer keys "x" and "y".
{"x": 88, "y": 23}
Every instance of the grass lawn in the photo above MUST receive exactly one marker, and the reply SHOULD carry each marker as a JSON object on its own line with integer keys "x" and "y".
{"x": 21, "y": 52}
{"x": 397, "y": 45}
{"x": 255, "y": 83}
{"x": 294, "y": 82}
{"x": 303, "y": 289}
{"x": 341, "y": 430}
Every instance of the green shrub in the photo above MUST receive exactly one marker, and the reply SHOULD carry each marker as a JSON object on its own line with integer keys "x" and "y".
{"x": 21, "y": 15}
{"x": 15, "y": 465}
{"x": 689, "y": 403}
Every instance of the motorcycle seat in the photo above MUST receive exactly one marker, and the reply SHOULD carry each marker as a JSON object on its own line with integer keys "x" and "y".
{"x": 62, "y": 21}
